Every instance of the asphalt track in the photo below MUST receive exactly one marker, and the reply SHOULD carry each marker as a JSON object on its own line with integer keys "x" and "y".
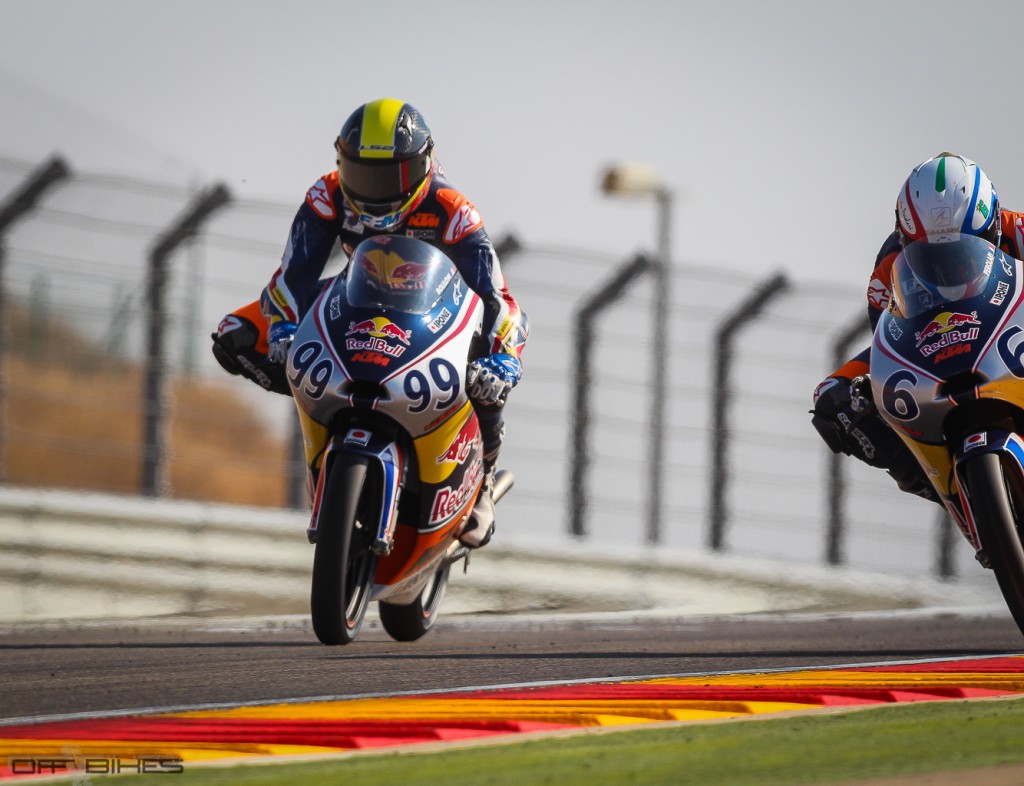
{"x": 61, "y": 670}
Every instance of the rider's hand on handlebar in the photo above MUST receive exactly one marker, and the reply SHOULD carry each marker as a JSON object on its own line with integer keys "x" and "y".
{"x": 489, "y": 379}
{"x": 280, "y": 338}
{"x": 862, "y": 400}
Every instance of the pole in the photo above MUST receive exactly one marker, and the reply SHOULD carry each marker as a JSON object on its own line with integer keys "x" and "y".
{"x": 660, "y": 364}
{"x": 154, "y": 473}
{"x": 721, "y": 396}
{"x": 579, "y": 433}
{"x": 21, "y": 202}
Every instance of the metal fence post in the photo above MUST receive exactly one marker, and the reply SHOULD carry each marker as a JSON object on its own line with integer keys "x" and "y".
{"x": 947, "y": 536}
{"x": 579, "y": 431}
{"x": 18, "y": 204}
{"x": 154, "y": 478}
{"x": 721, "y": 394}
{"x": 836, "y": 480}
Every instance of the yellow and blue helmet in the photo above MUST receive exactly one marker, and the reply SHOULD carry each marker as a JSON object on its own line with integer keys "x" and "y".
{"x": 385, "y": 162}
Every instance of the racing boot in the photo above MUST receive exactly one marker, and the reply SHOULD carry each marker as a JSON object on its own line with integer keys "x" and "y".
{"x": 480, "y": 526}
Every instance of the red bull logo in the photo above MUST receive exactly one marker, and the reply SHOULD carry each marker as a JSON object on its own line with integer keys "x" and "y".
{"x": 448, "y": 501}
{"x": 408, "y": 274}
{"x": 381, "y": 332}
{"x": 463, "y": 444}
{"x": 390, "y": 268}
{"x": 379, "y": 327}
{"x": 947, "y": 326}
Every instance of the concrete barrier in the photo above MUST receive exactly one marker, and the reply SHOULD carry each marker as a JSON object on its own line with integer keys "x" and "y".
{"x": 78, "y": 556}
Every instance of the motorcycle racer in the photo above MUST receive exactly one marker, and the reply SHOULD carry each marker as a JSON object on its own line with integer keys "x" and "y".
{"x": 943, "y": 197}
{"x": 387, "y": 181}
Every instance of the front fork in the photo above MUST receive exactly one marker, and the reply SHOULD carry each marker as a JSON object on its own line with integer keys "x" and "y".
{"x": 386, "y": 463}
{"x": 1009, "y": 446}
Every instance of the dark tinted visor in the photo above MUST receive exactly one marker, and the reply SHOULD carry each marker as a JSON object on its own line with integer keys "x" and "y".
{"x": 950, "y": 264}
{"x": 382, "y": 179}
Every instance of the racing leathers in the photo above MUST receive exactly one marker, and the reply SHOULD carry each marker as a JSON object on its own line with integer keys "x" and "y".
{"x": 445, "y": 219}
{"x": 844, "y": 413}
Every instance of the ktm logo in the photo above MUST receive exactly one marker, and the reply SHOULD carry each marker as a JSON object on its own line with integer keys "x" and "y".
{"x": 424, "y": 220}
{"x": 371, "y": 357}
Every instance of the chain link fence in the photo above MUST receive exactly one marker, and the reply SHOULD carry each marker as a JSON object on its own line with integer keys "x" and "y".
{"x": 76, "y": 314}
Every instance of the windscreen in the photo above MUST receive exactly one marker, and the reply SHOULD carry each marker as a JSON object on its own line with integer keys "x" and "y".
{"x": 397, "y": 273}
{"x": 928, "y": 275}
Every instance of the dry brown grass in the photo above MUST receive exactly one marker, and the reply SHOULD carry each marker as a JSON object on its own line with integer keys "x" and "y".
{"x": 73, "y": 419}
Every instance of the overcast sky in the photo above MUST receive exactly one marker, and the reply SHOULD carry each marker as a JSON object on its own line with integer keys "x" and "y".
{"x": 786, "y": 128}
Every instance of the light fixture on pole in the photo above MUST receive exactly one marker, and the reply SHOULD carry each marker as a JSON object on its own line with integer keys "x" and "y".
{"x": 639, "y": 180}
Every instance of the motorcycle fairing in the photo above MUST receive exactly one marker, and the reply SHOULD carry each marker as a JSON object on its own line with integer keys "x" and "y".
{"x": 327, "y": 376}
{"x": 449, "y": 447}
{"x": 373, "y": 347}
{"x": 388, "y": 457}
{"x": 979, "y": 354}
{"x": 949, "y": 338}
{"x": 1008, "y": 445}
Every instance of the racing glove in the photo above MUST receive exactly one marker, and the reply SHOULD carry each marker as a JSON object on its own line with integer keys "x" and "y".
{"x": 489, "y": 379}
{"x": 862, "y": 400}
{"x": 234, "y": 346}
{"x": 280, "y": 338}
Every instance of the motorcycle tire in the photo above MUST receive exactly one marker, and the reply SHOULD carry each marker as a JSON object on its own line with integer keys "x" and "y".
{"x": 408, "y": 622}
{"x": 996, "y": 494}
{"x": 343, "y": 564}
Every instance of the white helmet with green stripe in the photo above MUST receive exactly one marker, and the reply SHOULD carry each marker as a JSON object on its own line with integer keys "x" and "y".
{"x": 945, "y": 197}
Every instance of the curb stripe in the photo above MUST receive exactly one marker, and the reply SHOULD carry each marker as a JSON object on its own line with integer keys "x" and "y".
{"x": 319, "y": 727}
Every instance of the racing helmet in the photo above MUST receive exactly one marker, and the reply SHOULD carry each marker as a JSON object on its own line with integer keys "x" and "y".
{"x": 944, "y": 197}
{"x": 385, "y": 162}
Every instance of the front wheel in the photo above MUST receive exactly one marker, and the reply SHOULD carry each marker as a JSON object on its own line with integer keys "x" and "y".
{"x": 409, "y": 622}
{"x": 343, "y": 564}
{"x": 996, "y": 496}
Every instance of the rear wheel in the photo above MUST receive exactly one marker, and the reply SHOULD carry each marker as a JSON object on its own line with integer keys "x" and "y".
{"x": 410, "y": 621}
{"x": 343, "y": 564}
{"x": 996, "y": 494}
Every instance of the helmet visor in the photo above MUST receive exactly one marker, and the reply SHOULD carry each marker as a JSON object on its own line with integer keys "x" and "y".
{"x": 927, "y": 275}
{"x": 382, "y": 180}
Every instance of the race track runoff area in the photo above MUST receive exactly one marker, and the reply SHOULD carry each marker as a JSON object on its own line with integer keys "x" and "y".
{"x": 168, "y": 741}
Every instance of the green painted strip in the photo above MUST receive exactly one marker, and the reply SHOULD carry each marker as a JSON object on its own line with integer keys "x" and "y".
{"x": 940, "y": 175}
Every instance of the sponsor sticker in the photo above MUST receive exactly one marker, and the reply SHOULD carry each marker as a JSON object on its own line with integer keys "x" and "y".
{"x": 357, "y": 436}
{"x": 465, "y": 220}
{"x": 448, "y": 501}
{"x": 229, "y": 323}
{"x": 439, "y": 321}
{"x": 381, "y": 332}
{"x": 975, "y": 441}
{"x": 320, "y": 200}
{"x": 946, "y": 326}
{"x": 462, "y": 445}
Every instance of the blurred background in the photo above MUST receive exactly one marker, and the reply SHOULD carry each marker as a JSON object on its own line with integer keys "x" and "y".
{"x": 771, "y": 140}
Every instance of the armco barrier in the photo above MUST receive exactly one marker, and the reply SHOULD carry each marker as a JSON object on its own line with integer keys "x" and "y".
{"x": 76, "y": 556}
